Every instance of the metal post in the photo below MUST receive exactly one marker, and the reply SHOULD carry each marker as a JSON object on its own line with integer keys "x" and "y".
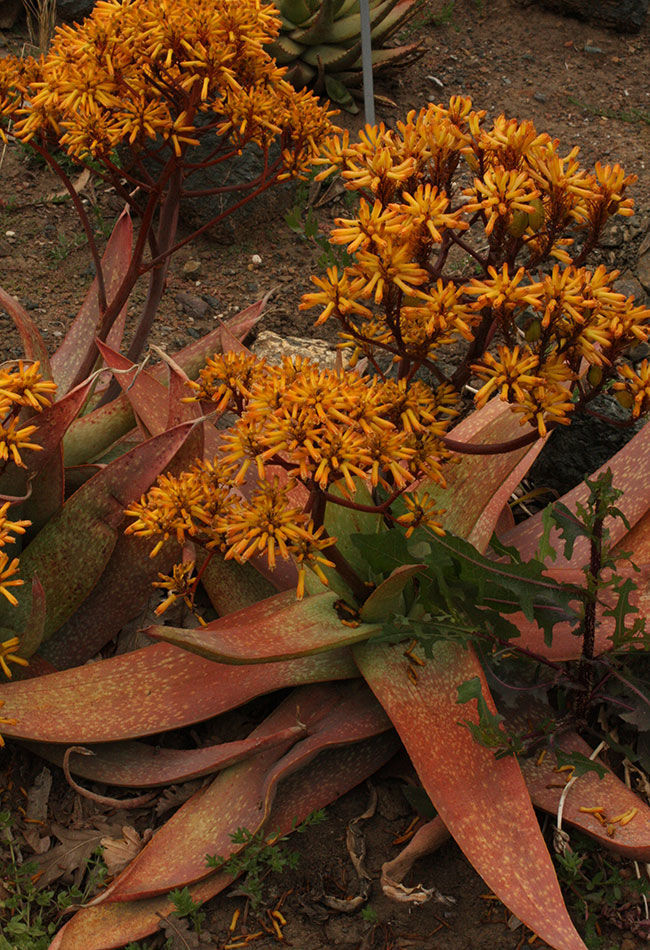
{"x": 366, "y": 59}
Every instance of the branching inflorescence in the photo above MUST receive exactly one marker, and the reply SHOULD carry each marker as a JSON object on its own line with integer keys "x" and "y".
{"x": 454, "y": 223}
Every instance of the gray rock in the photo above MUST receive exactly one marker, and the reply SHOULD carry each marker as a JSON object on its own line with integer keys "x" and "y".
{"x": 191, "y": 304}
{"x": 273, "y": 347}
{"x": 613, "y": 235}
{"x": 628, "y": 284}
{"x": 191, "y": 268}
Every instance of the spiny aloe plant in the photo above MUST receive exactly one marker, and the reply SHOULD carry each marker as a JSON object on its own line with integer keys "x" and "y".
{"x": 343, "y": 486}
{"x": 320, "y": 43}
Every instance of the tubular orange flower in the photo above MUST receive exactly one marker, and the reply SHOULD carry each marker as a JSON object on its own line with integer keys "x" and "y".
{"x": 179, "y": 584}
{"x": 14, "y": 440}
{"x": 499, "y": 194}
{"x": 24, "y": 385}
{"x": 510, "y": 374}
{"x": 338, "y": 294}
{"x": 421, "y": 510}
{"x": 9, "y": 655}
{"x": 8, "y": 570}
{"x": 7, "y": 526}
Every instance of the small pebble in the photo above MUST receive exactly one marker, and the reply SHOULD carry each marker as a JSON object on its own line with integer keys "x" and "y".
{"x": 539, "y": 97}
{"x": 256, "y": 259}
{"x": 10, "y": 234}
{"x": 592, "y": 49}
{"x": 191, "y": 268}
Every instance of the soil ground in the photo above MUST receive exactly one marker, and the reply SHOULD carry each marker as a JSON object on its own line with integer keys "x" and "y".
{"x": 583, "y": 84}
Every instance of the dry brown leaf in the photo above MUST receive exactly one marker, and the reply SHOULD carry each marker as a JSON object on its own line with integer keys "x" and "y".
{"x": 37, "y": 799}
{"x": 69, "y": 858}
{"x": 176, "y": 795}
{"x": 81, "y": 183}
{"x": 178, "y": 933}
{"x": 118, "y": 852}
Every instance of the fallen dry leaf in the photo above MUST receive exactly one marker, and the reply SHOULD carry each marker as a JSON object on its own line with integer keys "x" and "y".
{"x": 69, "y": 858}
{"x": 36, "y": 813}
{"x": 178, "y": 933}
{"x": 119, "y": 851}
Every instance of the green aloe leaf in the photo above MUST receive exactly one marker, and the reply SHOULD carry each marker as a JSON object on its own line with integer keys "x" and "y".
{"x": 387, "y": 597}
{"x": 483, "y": 801}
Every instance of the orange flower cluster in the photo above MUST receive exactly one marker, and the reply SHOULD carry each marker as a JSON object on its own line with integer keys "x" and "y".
{"x": 301, "y": 433}
{"x": 170, "y": 70}
{"x": 421, "y": 234}
{"x": 21, "y": 387}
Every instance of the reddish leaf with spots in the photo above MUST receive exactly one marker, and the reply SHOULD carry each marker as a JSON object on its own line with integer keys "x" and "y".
{"x": 482, "y": 801}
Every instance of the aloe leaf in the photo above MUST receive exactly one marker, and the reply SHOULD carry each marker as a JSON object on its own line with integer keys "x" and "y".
{"x": 338, "y": 93}
{"x": 232, "y": 586}
{"x": 637, "y": 541}
{"x": 482, "y": 801}
{"x": 78, "y": 344}
{"x": 342, "y": 523}
{"x": 148, "y": 396}
{"x": 332, "y": 58}
{"x": 284, "y": 50}
{"x": 478, "y": 486}
{"x": 319, "y": 29}
{"x": 387, "y": 596}
{"x": 299, "y": 74}
{"x": 326, "y": 778}
{"x": 43, "y": 478}
{"x": 139, "y": 765}
{"x": 241, "y": 796}
{"x": 70, "y": 552}
{"x": 546, "y": 784}
{"x": 33, "y": 343}
{"x": 125, "y": 587}
{"x": 92, "y": 434}
{"x": 565, "y": 644}
{"x": 630, "y": 473}
{"x": 277, "y": 628}
{"x": 295, "y": 10}
{"x": 31, "y": 634}
{"x": 150, "y": 690}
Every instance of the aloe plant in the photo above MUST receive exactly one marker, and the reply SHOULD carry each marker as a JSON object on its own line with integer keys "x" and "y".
{"x": 338, "y": 487}
{"x": 320, "y": 43}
